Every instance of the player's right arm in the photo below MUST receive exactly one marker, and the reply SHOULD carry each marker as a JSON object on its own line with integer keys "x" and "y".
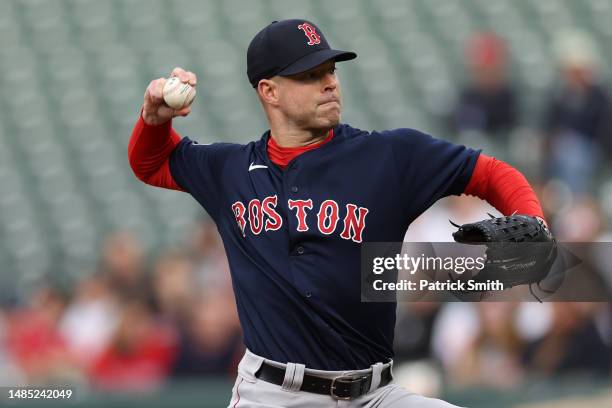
{"x": 153, "y": 139}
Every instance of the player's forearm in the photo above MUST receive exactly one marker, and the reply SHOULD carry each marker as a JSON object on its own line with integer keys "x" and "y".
{"x": 504, "y": 187}
{"x": 149, "y": 151}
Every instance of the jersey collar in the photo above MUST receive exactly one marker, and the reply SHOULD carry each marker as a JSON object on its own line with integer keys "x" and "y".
{"x": 262, "y": 146}
{"x": 281, "y": 156}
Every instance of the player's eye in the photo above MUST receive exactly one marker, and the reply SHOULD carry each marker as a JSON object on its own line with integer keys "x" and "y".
{"x": 321, "y": 74}
{"x": 316, "y": 75}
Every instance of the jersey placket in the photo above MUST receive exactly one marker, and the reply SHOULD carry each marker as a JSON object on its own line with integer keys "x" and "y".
{"x": 294, "y": 192}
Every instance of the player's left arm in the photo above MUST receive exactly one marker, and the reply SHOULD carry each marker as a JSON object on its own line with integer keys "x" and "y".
{"x": 504, "y": 187}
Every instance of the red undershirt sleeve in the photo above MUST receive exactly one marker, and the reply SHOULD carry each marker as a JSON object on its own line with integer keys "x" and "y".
{"x": 149, "y": 152}
{"x": 504, "y": 187}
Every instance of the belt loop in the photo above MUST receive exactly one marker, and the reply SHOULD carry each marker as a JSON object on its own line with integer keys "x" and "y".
{"x": 289, "y": 374}
{"x": 298, "y": 377}
{"x": 376, "y": 370}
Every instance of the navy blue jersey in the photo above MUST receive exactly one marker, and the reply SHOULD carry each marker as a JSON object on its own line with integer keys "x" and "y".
{"x": 293, "y": 236}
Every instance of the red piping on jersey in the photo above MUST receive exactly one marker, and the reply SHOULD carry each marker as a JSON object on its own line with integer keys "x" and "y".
{"x": 281, "y": 156}
{"x": 504, "y": 187}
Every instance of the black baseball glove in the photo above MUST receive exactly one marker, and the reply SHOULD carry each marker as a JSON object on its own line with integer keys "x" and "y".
{"x": 520, "y": 250}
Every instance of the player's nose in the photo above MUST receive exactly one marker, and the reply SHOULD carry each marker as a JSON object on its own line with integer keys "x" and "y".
{"x": 330, "y": 82}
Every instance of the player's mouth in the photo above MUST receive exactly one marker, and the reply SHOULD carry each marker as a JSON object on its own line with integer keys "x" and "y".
{"x": 336, "y": 101}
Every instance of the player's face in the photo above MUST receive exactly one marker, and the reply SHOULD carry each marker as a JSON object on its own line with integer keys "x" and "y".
{"x": 312, "y": 99}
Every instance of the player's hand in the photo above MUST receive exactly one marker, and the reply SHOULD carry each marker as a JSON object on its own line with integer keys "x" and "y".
{"x": 154, "y": 110}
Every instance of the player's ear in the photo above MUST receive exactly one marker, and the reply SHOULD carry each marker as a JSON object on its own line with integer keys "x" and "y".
{"x": 268, "y": 91}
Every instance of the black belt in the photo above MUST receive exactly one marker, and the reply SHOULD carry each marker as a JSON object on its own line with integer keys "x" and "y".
{"x": 343, "y": 387}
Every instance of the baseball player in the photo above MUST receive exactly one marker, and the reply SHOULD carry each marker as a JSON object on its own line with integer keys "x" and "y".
{"x": 293, "y": 209}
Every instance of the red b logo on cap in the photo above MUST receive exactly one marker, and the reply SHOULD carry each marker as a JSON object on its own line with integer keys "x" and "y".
{"x": 309, "y": 31}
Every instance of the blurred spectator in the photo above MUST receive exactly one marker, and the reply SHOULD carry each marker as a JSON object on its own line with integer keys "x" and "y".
{"x": 581, "y": 222}
{"x": 211, "y": 269}
{"x": 90, "y": 319}
{"x": 454, "y": 331}
{"x": 573, "y": 344}
{"x": 35, "y": 342}
{"x": 211, "y": 342}
{"x": 122, "y": 264}
{"x": 173, "y": 286}
{"x": 10, "y": 373}
{"x": 577, "y": 122}
{"x": 486, "y": 344}
{"x": 487, "y": 104}
{"x": 434, "y": 226}
{"x": 139, "y": 355}
{"x": 413, "y": 330}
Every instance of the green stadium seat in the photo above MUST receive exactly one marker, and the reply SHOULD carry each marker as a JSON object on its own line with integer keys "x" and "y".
{"x": 10, "y": 30}
{"x": 23, "y": 238}
{"x": 94, "y": 22}
{"x": 199, "y": 26}
{"x": 241, "y": 17}
{"x": 282, "y": 9}
{"x": 76, "y": 231}
{"x": 125, "y": 210}
{"x": 164, "y": 57}
{"x": 391, "y": 10}
{"x": 46, "y": 23}
{"x": 143, "y": 24}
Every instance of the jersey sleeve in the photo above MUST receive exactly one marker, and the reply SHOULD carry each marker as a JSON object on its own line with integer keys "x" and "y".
{"x": 429, "y": 168}
{"x": 149, "y": 150}
{"x": 504, "y": 187}
{"x": 197, "y": 169}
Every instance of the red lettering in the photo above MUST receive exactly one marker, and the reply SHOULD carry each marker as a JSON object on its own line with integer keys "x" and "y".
{"x": 301, "y": 206}
{"x": 255, "y": 216}
{"x": 327, "y": 218}
{"x": 311, "y": 33}
{"x": 274, "y": 220}
{"x": 239, "y": 209}
{"x": 354, "y": 223}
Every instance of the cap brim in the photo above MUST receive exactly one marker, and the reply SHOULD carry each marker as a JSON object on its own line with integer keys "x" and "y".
{"x": 316, "y": 58}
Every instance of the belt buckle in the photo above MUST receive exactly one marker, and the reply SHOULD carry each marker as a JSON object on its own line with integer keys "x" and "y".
{"x": 346, "y": 380}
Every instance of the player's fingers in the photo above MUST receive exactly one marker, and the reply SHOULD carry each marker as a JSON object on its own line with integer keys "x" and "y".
{"x": 154, "y": 92}
{"x": 183, "y": 112}
{"x": 180, "y": 73}
{"x": 192, "y": 78}
{"x": 147, "y": 94}
{"x": 165, "y": 111}
{"x": 177, "y": 71}
{"x": 158, "y": 90}
{"x": 149, "y": 104}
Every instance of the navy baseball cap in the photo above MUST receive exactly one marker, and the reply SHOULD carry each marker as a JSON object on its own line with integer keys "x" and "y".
{"x": 289, "y": 47}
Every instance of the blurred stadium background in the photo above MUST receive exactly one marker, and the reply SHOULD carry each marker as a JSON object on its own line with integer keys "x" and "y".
{"x": 119, "y": 287}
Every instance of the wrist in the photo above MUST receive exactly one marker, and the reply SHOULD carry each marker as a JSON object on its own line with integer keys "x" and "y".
{"x": 151, "y": 120}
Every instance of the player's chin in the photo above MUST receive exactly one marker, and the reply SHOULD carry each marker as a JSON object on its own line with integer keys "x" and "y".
{"x": 328, "y": 123}
{"x": 330, "y": 117}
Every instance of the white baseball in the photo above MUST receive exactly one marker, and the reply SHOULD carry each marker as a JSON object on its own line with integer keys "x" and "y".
{"x": 178, "y": 95}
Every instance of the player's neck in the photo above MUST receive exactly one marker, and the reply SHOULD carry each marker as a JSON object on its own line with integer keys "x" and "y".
{"x": 285, "y": 137}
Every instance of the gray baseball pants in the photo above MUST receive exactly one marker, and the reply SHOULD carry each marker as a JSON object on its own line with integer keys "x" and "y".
{"x": 251, "y": 392}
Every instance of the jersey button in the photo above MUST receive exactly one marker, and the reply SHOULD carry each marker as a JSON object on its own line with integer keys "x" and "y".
{"x": 308, "y": 294}
{"x": 300, "y": 250}
{"x": 294, "y": 189}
